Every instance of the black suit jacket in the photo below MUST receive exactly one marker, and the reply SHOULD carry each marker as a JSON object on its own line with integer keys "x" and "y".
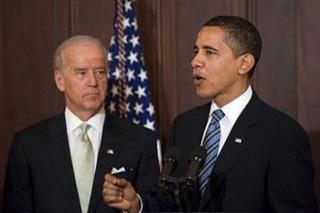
{"x": 271, "y": 170}
{"x": 40, "y": 177}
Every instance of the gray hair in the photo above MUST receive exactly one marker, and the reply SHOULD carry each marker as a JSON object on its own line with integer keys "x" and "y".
{"x": 58, "y": 58}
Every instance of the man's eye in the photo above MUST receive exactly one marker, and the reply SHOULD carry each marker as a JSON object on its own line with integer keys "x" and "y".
{"x": 100, "y": 73}
{"x": 81, "y": 73}
{"x": 209, "y": 52}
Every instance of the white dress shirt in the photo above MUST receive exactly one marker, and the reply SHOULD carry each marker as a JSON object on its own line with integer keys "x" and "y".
{"x": 231, "y": 111}
{"x": 94, "y": 132}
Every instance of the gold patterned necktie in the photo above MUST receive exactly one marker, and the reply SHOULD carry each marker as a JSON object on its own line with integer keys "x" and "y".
{"x": 83, "y": 166}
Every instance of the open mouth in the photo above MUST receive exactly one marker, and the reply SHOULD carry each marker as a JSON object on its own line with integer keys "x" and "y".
{"x": 197, "y": 79}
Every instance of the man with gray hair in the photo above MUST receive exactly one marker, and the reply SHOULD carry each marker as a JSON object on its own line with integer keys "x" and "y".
{"x": 58, "y": 165}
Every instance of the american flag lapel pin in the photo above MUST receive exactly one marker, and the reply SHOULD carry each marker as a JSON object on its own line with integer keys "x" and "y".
{"x": 238, "y": 140}
{"x": 110, "y": 152}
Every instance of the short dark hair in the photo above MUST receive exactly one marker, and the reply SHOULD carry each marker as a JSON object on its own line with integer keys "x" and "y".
{"x": 241, "y": 36}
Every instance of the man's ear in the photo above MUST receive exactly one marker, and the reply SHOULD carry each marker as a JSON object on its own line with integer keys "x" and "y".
{"x": 59, "y": 80}
{"x": 246, "y": 63}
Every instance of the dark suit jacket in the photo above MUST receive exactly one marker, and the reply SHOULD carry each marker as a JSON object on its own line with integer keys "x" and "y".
{"x": 40, "y": 177}
{"x": 271, "y": 170}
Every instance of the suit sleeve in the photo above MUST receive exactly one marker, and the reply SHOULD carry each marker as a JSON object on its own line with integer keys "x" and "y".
{"x": 172, "y": 135}
{"x": 290, "y": 175}
{"x": 166, "y": 202}
{"x": 147, "y": 174}
{"x": 18, "y": 181}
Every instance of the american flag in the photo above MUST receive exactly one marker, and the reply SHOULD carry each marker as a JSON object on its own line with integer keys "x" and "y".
{"x": 128, "y": 88}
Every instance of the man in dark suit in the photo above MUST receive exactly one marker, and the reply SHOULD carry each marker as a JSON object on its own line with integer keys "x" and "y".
{"x": 258, "y": 158}
{"x": 58, "y": 165}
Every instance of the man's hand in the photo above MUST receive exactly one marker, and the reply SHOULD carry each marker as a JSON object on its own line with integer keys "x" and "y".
{"x": 119, "y": 193}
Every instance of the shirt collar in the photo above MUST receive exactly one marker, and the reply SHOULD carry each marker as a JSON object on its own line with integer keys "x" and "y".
{"x": 73, "y": 122}
{"x": 233, "y": 109}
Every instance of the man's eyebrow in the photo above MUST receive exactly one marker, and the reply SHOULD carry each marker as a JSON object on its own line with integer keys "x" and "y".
{"x": 102, "y": 67}
{"x": 207, "y": 47}
{"x": 80, "y": 69}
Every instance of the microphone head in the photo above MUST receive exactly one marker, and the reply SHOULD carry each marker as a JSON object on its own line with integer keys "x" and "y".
{"x": 199, "y": 154}
{"x": 196, "y": 160}
{"x": 172, "y": 154}
{"x": 169, "y": 164}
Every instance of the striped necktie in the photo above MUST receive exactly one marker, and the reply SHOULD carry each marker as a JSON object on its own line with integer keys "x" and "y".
{"x": 211, "y": 144}
{"x": 83, "y": 166}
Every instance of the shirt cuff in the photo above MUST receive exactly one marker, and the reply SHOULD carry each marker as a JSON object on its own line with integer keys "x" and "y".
{"x": 141, "y": 205}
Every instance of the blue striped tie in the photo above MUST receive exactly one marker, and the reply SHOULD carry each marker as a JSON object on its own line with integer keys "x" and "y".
{"x": 211, "y": 144}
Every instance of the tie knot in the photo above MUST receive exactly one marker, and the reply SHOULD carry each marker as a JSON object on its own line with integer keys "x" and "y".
{"x": 84, "y": 130}
{"x": 217, "y": 115}
{"x": 84, "y": 127}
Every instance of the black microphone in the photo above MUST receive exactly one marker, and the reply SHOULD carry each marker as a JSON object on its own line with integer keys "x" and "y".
{"x": 169, "y": 163}
{"x": 196, "y": 160}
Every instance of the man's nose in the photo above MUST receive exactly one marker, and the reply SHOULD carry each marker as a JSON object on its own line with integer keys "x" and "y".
{"x": 92, "y": 78}
{"x": 196, "y": 61}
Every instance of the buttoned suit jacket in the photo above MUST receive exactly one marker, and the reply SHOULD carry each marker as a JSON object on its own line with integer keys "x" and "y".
{"x": 264, "y": 166}
{"x": 39, "y": 176}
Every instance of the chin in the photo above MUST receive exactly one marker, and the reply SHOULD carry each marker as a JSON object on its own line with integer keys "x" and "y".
{"x": 94, "y": 106}
{"x": 203, "y": 94}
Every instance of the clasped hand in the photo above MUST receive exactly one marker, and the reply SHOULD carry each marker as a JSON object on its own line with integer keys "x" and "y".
{"x": 119, "y": 193}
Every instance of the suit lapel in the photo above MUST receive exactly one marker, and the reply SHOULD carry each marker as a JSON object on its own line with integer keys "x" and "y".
{"x": 59, "y": 154}
{"x": 202, "y": 120}
{"x": 232, "y": 149}
{"x": 109, "y": 148}
{"x": 199, "y": 122}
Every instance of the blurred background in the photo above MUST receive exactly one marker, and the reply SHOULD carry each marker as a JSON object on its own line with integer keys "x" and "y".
{"x": 287, "y": 75}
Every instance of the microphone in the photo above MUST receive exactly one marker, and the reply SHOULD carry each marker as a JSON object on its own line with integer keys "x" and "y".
{"x": 196, "y": 160}
{"x": 170, "y": 162}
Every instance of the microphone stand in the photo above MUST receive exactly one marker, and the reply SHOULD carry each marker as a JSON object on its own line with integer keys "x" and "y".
{"x": 178, "y": 188}
{"x": 177, "y": 196}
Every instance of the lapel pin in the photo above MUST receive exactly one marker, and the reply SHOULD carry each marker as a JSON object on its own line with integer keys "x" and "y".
{"x": 238, "y": 140}
{"x": 110, "y": 151}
